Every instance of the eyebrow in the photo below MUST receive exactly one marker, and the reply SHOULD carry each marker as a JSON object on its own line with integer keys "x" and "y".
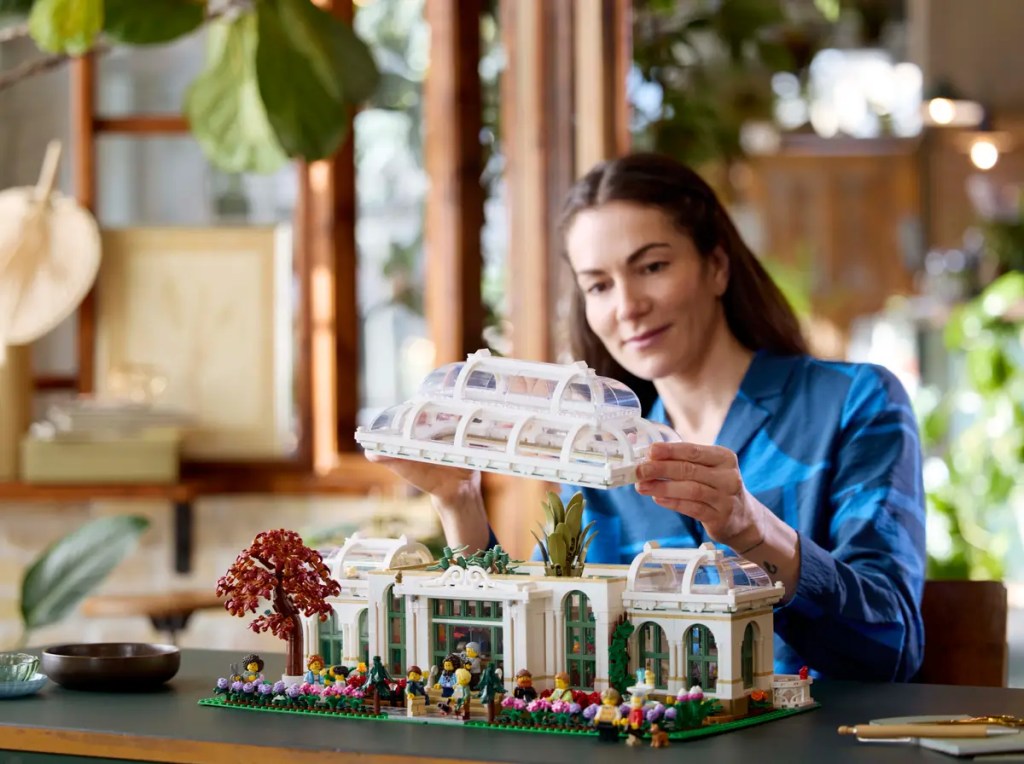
{"x": 633, "y": 257}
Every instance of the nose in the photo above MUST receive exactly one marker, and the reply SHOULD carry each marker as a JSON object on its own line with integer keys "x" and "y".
{"x": 632, "y": 301}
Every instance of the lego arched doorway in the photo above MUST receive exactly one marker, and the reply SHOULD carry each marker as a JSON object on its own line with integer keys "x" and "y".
{"x": 652, "y": 651}
{"x": 396, "y": 632}
{"x": 330, "y": 641}
{"x": 747, "y": 656}
{"x": 364, "y": 638}
{"x": 580, "y": 640}
{"x": 701, "y": 658}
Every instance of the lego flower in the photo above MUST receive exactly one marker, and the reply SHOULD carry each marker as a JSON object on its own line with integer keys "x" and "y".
{"x": 575, "y": 708}
{"x": 247, "y": 688}
{"x": 236, "y": 687}
{"x": 279, "y": 687}
{"x": 538, "y": 705}
{"x": 670, "y": 713}
{"x": 696, "y": 693}
{"x": 265, "y": 689}
{"x": 222, "y": 684}
{"x": 560, "y": 707}
{"x": 294, "y": 691}
{"x": 590, "y": 712}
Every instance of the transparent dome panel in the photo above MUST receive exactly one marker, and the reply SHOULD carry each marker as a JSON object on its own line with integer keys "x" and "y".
{"x": 435, "y": 424}
{"x": 357, "y": 564}
{"x": 593, "y": 445}
{"x": 707, "y": 579}
{"x": 543, "y": 440}
{"x": 441, "y": 381}
{"x": 489, "y": 432}
{"x": 744, "y": 573}
{"x": 483, "y": 382}
{"x": 619, "y": 398}
{"x": 405, "y": 559}
{"x": 528, "y": 391}
{"x": 660, "y": 577}
{"x": 391, "y": 418}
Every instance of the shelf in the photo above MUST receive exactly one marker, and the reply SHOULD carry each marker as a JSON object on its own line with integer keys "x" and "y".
{"x": 176, "y": 492}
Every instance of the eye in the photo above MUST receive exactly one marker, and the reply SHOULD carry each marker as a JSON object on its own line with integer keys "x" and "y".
{"x": 596, "y": 287}
{"x": 655, "y": 267}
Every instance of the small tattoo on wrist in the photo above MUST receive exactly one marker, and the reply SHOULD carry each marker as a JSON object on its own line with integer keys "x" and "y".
{"x": 770, "y": 569}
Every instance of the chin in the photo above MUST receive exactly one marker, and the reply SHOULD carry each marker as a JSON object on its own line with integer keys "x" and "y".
{"x": 649, "y": 367}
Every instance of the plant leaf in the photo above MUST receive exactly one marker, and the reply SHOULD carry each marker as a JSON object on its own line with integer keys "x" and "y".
{"x": 73, "y": 566}
{"x": 574, "y": 516}
{"x": 543, "y": 549}
{"x": 557, "y": 507}
{"x": 582, "y": 559}
{"x": 154, "y": 21}
{"x": 224, "y": 107}
{"x": 311, "y": 69}
{"x": 556, "y": 549}
{"x": 65, "y": 26}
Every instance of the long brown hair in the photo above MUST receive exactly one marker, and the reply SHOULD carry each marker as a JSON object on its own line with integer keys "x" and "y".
{"x": 756, "y": 311}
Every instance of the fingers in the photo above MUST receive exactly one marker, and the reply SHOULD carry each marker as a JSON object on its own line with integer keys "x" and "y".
{"x": 687, "y": 491}
{"x": 709, "y": 456}
{"x": 724, "y": 479}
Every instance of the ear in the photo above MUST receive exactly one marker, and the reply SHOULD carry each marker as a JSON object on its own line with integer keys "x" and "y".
{"x": 719, "y": 265}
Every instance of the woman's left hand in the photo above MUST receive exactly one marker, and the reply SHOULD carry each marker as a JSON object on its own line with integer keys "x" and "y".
{"x": 704, "y": 482}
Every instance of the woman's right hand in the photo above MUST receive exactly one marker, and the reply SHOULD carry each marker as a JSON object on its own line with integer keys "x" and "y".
{"x": 441, "y": 481}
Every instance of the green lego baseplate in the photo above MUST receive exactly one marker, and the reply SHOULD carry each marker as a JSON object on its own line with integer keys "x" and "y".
{"x": 398, "y": 715}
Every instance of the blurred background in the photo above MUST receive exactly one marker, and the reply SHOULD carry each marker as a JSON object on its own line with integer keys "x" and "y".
{"x": 872, "y": 152}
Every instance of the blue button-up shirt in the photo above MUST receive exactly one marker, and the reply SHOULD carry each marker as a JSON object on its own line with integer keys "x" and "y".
{"x": 832, "y": 449}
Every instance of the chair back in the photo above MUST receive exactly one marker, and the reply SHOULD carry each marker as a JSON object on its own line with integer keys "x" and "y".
{"x": 964, "y": 633}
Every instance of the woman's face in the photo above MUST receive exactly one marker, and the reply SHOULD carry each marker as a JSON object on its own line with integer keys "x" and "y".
{"x": 649, "y": 295}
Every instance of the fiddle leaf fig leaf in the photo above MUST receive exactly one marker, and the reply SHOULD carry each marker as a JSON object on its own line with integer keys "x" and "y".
{"x": 75, "y": 565}
{"x": 312, "y": 69}
{"x": 224, "y": 107}
{"x": 65, "y": 26}
{"x": 151, "y": 22}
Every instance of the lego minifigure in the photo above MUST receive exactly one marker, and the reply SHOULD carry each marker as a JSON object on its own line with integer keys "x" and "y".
{"x": 659, "y": 738}
{"x": 524, "y": 690}
{"x": 472, "y": 662}
{"x": 462, "y": 695}
{"x": 606, "y": 720}
{"x": 334, "y": 674}
{"x": 415, "y": 694}
{"x": 447, "y": 681}
{"x": 314, "y": 665}
{"x": 635, "y": 721}
{"x": 252, "y": 666}
{"x": 562, "y": 690}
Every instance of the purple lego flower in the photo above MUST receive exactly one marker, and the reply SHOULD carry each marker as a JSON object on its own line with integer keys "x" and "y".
{"x": 236, "y": 687}
{"x": 265, "y": 689}
{"x": 654, "y": 714}
{"x": 279, "y": 687}
{"x": 590, "y": 712}
{"x": 670, "y": 713}
{"x": 624, "y": 710}
{"x": 222, "y": 683}
{"x": 294, "y": 691}
{"x": 574, "y": 708}
{"x": 247, "y": 688}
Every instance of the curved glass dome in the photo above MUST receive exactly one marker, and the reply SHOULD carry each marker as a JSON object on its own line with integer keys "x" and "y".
{"x": 551, "y": 421}
{"x": 706, "y": 570}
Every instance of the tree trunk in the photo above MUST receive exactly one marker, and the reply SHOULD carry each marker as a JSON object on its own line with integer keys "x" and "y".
{"x": 283, "y": 605}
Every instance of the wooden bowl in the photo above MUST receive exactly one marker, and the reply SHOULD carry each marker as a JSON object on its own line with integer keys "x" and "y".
{"x": 111, "y": 666}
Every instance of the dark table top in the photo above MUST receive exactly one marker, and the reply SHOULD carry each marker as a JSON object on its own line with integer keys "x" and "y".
{"x": 170, "y": 726}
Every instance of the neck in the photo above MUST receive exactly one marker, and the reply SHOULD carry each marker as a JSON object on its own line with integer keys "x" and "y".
{"x": 698, "y": 397}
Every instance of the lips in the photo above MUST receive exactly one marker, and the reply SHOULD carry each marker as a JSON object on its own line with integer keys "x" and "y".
{"x": 645, "y": 338}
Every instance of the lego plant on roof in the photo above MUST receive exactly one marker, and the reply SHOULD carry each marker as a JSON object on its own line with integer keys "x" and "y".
{"x": 564, "y": 548}
{"x": 278, "y": 567}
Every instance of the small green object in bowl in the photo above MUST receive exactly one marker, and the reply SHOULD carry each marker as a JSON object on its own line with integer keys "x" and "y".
{"x": 17, "y": 667}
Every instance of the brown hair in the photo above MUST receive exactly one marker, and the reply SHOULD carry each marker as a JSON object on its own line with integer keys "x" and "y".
{"x": 756, "y": 311}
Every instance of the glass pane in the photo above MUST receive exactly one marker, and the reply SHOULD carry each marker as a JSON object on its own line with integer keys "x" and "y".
{"x": 150, "y": 79}
{"x": 391, "y": 186}
{"x": 168, "y": 181}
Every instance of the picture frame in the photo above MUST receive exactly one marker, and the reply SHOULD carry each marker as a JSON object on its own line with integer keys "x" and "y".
{"x": 209, "y": 311}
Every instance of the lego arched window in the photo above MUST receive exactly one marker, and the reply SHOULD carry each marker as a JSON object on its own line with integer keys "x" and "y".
{"x": 364, "y": 638}
{"x": 391, "y": 418}
{"x": 436, "y": 424}
{"x": 701, "y": 658}
{"x": 747, "y": 657}
{"x": 489, "y": 432}
{"x": 580, "y": 641}
{"x": 396, "y": 632}
{"x": 652, "y": 652}
{"x": 541, "y": 440}
{"x": 330, "y": 640}
{"x": 595, "y": 445}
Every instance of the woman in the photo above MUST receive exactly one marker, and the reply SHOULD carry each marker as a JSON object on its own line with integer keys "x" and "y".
{"x": 811, "y": 469}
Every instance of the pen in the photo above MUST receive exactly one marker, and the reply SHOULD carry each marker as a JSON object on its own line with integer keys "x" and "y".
{"x": 880, "y": 731}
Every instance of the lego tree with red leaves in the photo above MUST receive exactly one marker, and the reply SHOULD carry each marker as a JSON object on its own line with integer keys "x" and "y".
{"x": 278, "y": 567}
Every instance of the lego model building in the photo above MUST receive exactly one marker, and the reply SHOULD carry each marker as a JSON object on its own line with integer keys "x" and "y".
{"x": 685, "y": 634}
